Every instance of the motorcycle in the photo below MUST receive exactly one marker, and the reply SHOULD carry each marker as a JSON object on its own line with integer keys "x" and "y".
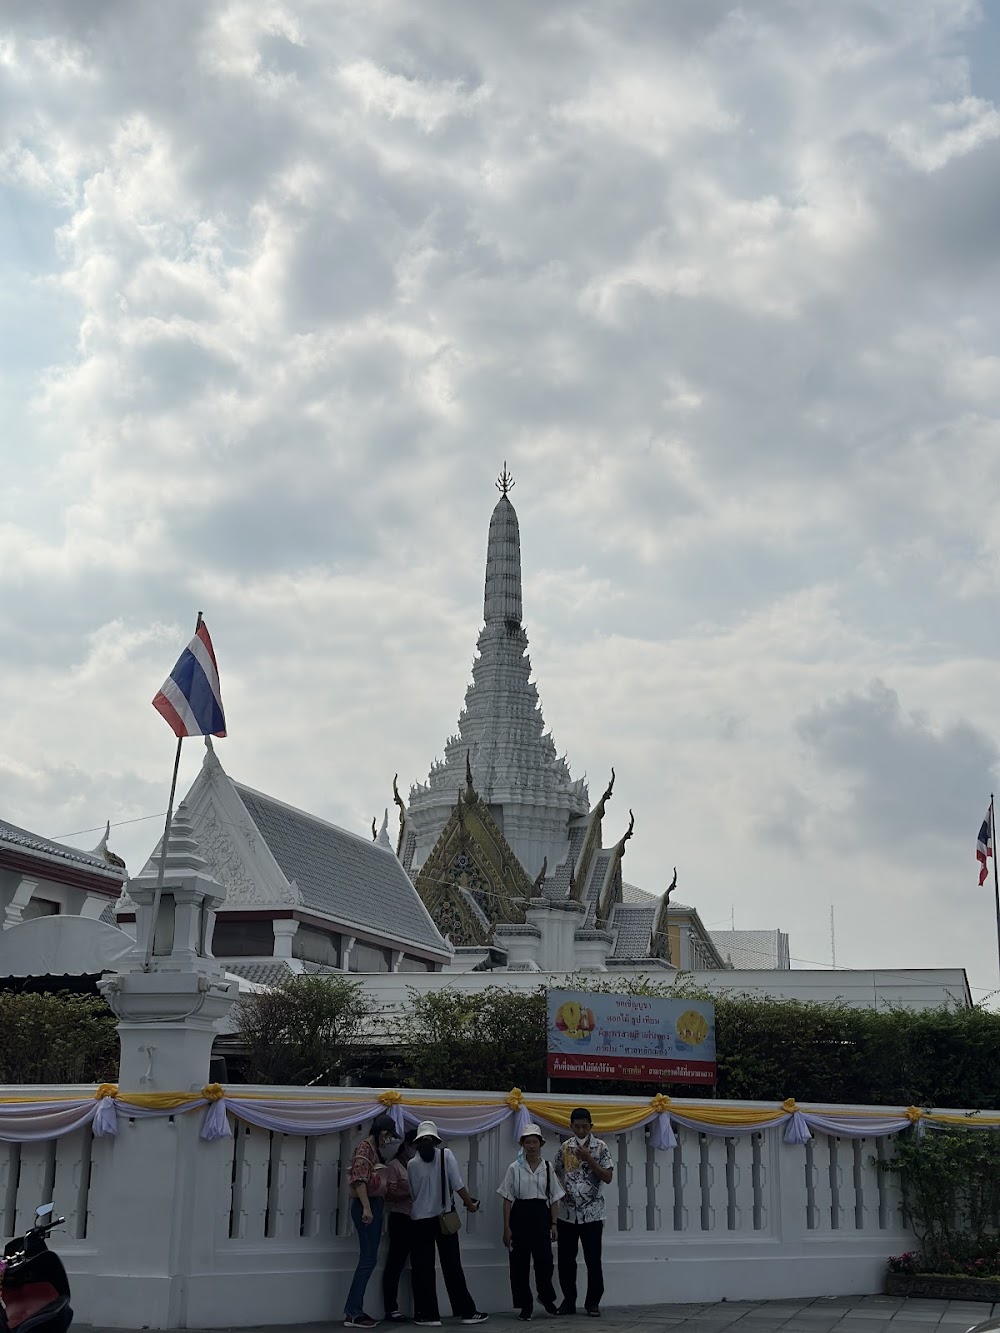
{"x": 34, "y": 1288}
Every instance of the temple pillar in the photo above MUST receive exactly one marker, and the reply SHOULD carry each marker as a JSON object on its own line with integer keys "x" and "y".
{"x": 284, "y": 932}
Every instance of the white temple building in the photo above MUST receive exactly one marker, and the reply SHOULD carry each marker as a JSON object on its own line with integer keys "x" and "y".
{"x": 40, "y": 877}
{"x": 300, "y": 894}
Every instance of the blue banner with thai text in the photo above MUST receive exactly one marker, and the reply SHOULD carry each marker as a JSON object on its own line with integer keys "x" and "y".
{"x": 641, "y": 1037}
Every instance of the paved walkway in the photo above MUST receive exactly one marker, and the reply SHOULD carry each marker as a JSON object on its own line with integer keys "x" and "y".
{"x": 823, "y": 1314}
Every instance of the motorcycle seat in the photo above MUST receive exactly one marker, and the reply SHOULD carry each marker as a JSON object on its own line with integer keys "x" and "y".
{"x": 24, "y": 1302}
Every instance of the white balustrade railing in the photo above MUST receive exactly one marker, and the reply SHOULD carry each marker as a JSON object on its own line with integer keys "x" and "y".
{"x": 262, "y": 1233}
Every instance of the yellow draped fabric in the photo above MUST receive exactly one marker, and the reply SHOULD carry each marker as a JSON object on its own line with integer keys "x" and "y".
{"x": 609, "y": 1116}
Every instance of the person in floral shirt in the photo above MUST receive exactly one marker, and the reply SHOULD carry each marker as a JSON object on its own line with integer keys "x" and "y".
{"x": 367, "y": 1203}
{"x": 583, "y": 1165}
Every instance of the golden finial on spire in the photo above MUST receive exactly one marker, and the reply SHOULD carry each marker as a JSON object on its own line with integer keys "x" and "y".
{"x": 505, "y": 482}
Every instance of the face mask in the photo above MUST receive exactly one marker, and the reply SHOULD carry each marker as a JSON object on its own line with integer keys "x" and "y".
{"x": 388, "y": 1150}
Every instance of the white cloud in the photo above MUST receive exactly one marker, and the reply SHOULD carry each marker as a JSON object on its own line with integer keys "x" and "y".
{"x": 720, "y": 284}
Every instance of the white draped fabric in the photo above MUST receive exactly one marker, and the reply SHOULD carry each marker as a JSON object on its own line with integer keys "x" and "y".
{"x": 30, "y": 1121}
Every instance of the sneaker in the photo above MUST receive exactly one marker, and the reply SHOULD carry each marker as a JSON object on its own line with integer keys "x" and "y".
{"x": 477, "y": 1318}
{"x": 593, "y": 1311}
{"x": 427, "y": 1323}
{"x": 553, "y": 1311}
{"x": 395, "y": 1318}
{"x": 361, "y": 1321}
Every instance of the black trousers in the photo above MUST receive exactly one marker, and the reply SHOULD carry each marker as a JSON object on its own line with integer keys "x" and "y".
{"x": 425, "y": 1234}
{"x": 530, "y": 1222}
{"x": 395, "y": 1259}
{"x": 589, "y": 1235}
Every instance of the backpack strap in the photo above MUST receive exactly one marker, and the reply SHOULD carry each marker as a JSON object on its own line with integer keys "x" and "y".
{"x": 548, "y": 1182}
{"x": 444, "y": 1193}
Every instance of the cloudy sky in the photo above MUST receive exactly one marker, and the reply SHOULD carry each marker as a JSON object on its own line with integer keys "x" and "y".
{"x": 283, "y": 284}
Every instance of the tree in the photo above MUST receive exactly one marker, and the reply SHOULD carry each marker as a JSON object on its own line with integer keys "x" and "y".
{"x": 59, "y": 1038}
{"x": 306, "y": 1030}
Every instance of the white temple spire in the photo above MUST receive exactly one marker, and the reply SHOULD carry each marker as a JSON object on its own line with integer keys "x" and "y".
{"x": 502, "y": 600}
{"x": 501, "y": 734}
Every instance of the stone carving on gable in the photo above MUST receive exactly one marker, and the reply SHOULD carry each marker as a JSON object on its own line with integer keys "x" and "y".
{"x": 290, "y": 893}
{"x": 225, "y": 861}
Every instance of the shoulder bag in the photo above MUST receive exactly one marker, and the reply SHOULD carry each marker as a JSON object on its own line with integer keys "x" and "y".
{"x": 449, "y": 1220}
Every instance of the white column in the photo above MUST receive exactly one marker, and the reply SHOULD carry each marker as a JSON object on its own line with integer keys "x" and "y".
{"x": 14, "y": 914}
{"x": 395, "y": 958}
{"x": 347, "y": 944}
{"x": 163, "y": 1175}
{"x": 284, "y": 932}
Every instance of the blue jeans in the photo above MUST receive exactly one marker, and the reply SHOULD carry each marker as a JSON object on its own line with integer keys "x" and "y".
{"x": 368, "y": 1238}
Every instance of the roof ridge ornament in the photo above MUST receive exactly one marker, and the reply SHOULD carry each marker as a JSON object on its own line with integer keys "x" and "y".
{"x": 540, "y": 877}
{"x": 505, "y": 482}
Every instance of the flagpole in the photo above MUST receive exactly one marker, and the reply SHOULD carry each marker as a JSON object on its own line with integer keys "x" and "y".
{"x": 161, "y": 869}
{"x": 996, "y": 875}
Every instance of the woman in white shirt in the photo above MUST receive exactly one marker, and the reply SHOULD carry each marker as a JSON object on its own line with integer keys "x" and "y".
{"x": 531, "y": 1192}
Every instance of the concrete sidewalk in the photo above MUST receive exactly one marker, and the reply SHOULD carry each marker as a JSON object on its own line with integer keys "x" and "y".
{"x": 822, "y": 1314}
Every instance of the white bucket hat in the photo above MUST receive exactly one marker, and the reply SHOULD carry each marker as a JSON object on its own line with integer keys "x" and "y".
{"x": 427, "y": 1130}
{"x": 531, "y": 1130}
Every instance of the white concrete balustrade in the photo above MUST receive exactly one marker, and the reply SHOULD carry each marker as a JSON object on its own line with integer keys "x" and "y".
{"x": 166, "y": 1230}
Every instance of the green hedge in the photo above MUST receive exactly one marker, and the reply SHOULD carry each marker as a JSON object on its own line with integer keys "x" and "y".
{"x": 767, "y": 1049}
{"x": 315, "y": 1029}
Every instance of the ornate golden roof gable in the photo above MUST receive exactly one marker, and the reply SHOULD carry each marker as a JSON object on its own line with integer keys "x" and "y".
{"x": 472, "y": 833}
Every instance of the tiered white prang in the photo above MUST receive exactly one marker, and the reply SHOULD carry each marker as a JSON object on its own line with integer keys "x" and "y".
{"x": 515, "y": 767}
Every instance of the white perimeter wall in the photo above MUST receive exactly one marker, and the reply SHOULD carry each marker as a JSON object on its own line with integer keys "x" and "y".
{"x": 928, "y": 988}
{"x": 167, "y": 1231}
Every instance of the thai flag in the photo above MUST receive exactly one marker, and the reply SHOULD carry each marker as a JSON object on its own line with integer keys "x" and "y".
{"x": 190, "y": 699}
{"x": 984, "y": 847}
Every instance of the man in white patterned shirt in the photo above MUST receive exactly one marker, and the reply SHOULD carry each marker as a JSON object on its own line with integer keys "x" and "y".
{"x": 583, "y": 1165}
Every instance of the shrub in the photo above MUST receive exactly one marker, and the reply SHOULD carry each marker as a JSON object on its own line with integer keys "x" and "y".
{"x": 951, "y": 1192}
{"x": 492, "y": 1040}
{"x": 60, "y": 1038}
{"x": 307, "y": 1029}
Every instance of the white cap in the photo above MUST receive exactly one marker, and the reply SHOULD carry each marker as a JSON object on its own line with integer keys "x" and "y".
{"x": 427, "y": 1130}
{"x": 531, "y": 1129}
